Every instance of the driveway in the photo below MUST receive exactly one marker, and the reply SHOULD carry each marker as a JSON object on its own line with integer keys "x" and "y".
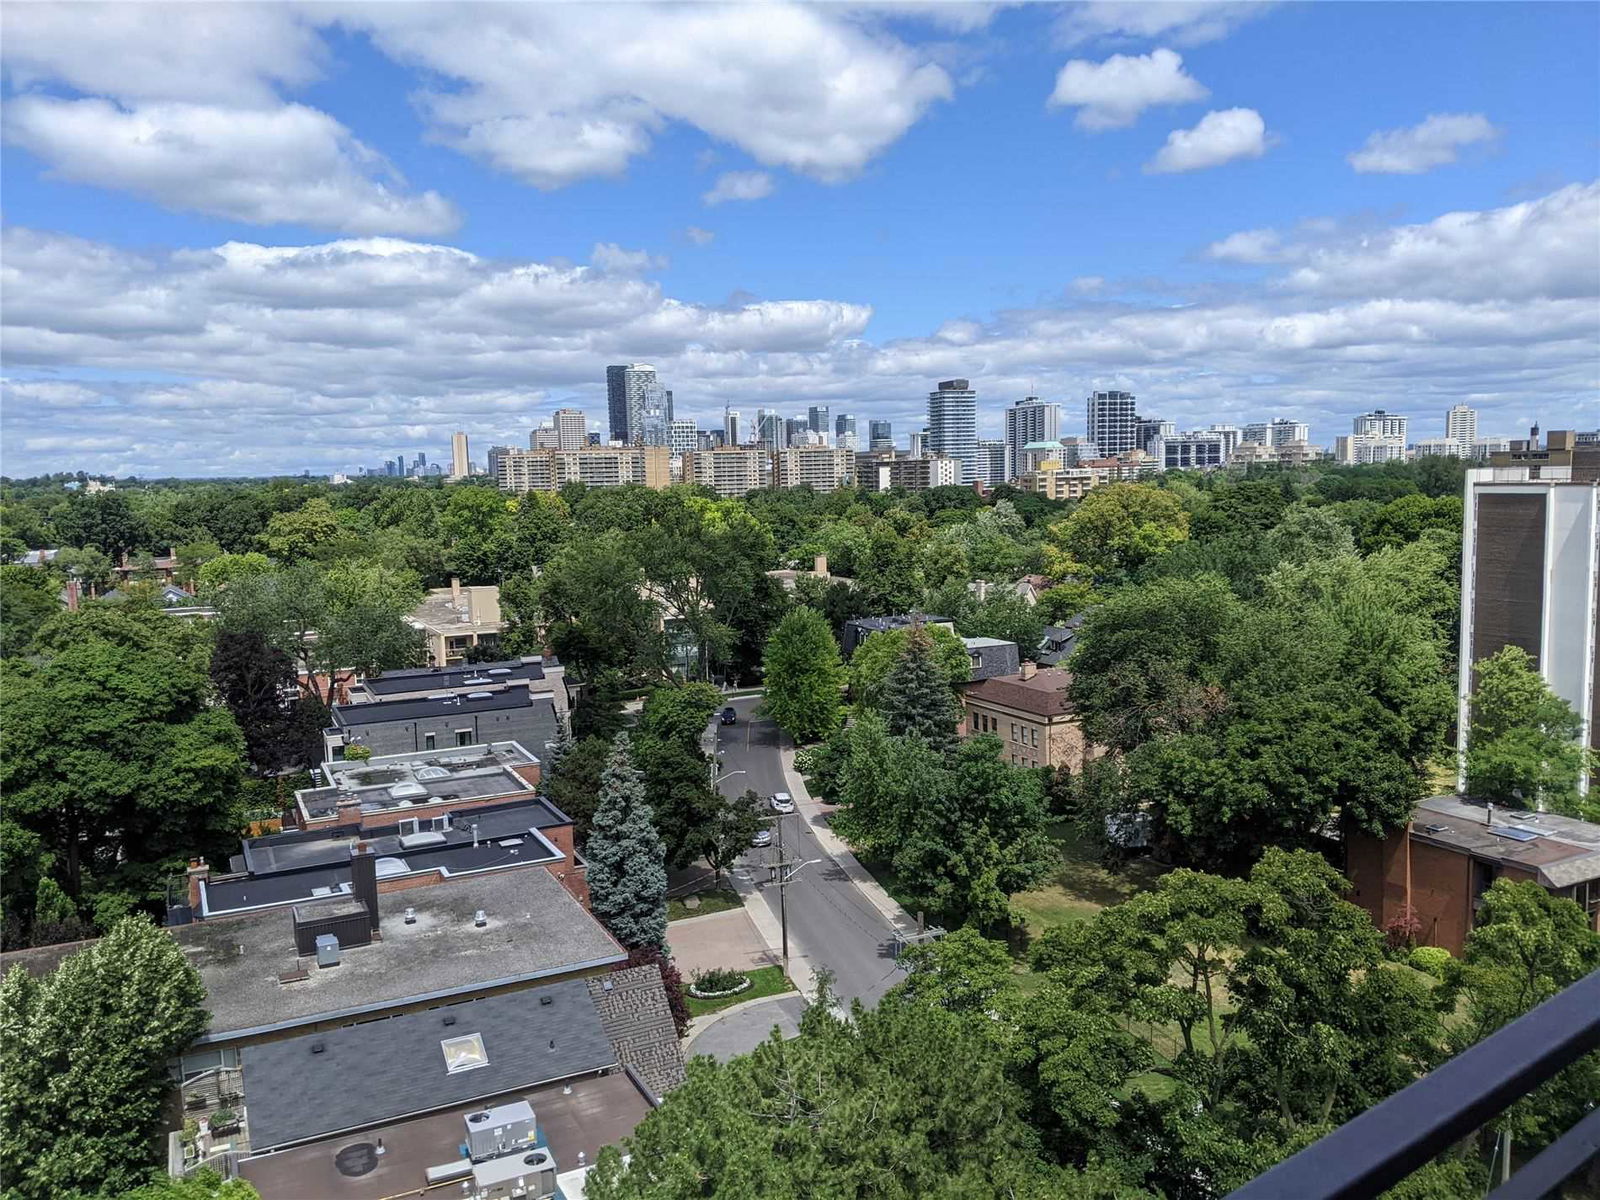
{"x": 724, "y": 939}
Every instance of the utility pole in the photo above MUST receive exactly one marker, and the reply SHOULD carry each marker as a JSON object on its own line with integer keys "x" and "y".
{"x": 783, "y": 871}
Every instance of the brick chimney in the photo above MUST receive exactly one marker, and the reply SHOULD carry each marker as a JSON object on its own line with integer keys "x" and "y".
{"x": 1029, "y": 670}
{"x": 198, "y": 873}
{"x": 74, "y": 595}
{"x": 820, "y": 567}
{"x": 455, "y": 589}
{"x": 364, "y": 879}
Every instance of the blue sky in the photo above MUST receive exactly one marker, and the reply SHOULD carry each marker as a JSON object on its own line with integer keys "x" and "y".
{"x": 246, "y": 239}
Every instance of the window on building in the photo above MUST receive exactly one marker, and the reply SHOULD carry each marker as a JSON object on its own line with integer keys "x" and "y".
{"x": 429, "y": 741}
{"x": 463, "y": 737}
{"x": 1014, "y": 731}
{"x": 1033, "y": 737}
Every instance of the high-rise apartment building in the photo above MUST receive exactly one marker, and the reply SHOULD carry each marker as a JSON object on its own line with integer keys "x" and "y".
{"x": 1379, "y": 423}
{"x": 496, "y": 453}
{"x": 917, "y": 443}
{"x": 1029, "y": 420}
{"x": 1199, "y": 450}
{"x": 730, "y": 471}
{"x": 572, "y": 428}
{"x": 880, "y": 435}
{"x": 953, "y": 425}
{"x": 1530, "y": 560}
{"x": 990, "y": 462}
{"x": 460, "y": 463}
{"x": 1111, "y": 422}
{"x": 1147, "y": 429}
{"x": 1461, "y": 427}
{"x": 817, "y": 418}
{"x": 844, "y": 431}
{"x": 823, "y": 468}
{"x": 544, "y": 437}
{"x": 730, "y": 426}
{"x": 884, "y": 471}
{"x": 1279, "y": 431}
{"x": 629, "y": 390}
{"x": 682, "y": 436}
{"x": 771, "y": 431}
{"x": 1353, "y": 449}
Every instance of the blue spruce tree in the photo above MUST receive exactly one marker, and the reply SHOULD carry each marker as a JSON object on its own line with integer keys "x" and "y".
{"x": 627, "y": 859}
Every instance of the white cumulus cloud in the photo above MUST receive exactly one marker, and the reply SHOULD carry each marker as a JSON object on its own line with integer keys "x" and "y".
{"x": 1436, "y": 142}
{"x": 610, "y": 257}
{"x": 1112, "y": 94}
{"x": 1183, "y": 22}
{"x": 700, "y": 237}
{"x": 285, "y": 164}
{"x": 1220, "y": 137}
{"x": 739, "y": 185}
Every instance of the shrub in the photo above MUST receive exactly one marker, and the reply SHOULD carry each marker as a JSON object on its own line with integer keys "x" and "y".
{"x": 1433, "y": 960}
{"x": 357, "y": 753}
{"x": 718, "y": 979}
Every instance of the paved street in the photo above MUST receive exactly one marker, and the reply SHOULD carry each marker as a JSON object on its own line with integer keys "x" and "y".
{"x": 830, "y": 922}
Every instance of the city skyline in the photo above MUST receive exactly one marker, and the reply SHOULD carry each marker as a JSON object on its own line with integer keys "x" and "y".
{"x": 296, "y": 243}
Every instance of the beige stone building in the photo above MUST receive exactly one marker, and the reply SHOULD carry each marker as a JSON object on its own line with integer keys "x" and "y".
{"x": 455, "y": 619}
{"x": 730, "y": 471}
{"x": 547, "y": 469}
{"x": 1030, "y": 713}
{"x": 824, "y": 468}
{"x": 1056, "y": 482}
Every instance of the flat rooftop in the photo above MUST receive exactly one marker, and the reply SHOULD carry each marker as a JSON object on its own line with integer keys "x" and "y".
{"x": 1560, "y": 851}
{"x": 477, "y": 610}
{"x": 282, "y": 868}
{"x": 535, "y": 930}
{"x": 376, "y": 712}
{"x": 397, "y": 781}
{"x": 462, "y": 675}
{"x": 600, "y": 1111}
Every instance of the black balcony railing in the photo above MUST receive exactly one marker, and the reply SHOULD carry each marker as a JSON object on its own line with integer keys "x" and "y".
{"x": 1373, "y": 1152}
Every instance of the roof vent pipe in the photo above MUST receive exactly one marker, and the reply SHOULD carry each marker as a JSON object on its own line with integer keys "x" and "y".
{"x": 411, "y": 915}
{"x": 480, "y": 918}
{"x": 1488, "y": 813}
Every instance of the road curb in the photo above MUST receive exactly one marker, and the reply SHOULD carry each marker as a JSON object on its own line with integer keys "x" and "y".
{"x": 836, "y": 847}
{"x": 700, "y": 1024}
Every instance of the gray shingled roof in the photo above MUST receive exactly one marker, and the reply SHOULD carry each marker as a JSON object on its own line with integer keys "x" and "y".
{"x": 1564, "y": 851}
{"x": 384, "y": 1070}
{"x": 637, "y": 1020}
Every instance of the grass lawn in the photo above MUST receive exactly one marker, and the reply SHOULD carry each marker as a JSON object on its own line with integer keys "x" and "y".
{"x": 764, "y": 981}
{"x": 1081, "y": 886}
{"x": 710, "y": 902}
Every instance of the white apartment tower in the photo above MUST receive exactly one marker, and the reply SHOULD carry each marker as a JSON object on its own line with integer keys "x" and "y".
{"x": 1377, "y": 423}
{"x": 572, "y": 429}
{"x": 1461, "y": 427}
{"x": 953, "y": 425}
{"x": 460, "y": 463}
{"x": 1029, "y": 420}
{"x": 730, "y": 426}
{"x": 1111, "y": 422}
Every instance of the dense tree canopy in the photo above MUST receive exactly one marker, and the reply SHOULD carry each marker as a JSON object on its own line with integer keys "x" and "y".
{"x": 804, "y": 676}
{"x": 1523, "y": 742}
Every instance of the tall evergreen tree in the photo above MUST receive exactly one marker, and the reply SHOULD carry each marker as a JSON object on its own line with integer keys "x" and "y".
{"x": 627, "y": 859}
{"x": 916, "y": 695}
{"x": 803, "y": 676}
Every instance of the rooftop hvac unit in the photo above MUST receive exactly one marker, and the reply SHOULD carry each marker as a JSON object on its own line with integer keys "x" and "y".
{"x": 499, "y": 1130}
{"x": 327, "y": 950}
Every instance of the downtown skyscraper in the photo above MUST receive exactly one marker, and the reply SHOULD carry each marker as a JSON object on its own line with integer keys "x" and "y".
{"x": 631, "y": 392}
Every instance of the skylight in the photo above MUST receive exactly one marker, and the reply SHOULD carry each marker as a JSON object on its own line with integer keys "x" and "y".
{"x": 464, "y": 1053}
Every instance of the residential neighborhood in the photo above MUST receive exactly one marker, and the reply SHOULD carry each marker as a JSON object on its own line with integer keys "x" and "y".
{"x": 766, "y": 600}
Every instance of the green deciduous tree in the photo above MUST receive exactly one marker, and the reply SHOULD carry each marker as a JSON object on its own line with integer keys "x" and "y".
{"x": 726, "y": 834}
{"x": 252, "y": 677}
{"x": 27, "y": 600}
{"x": 85, "y": 1053}
{"x": 1115, "y": 530}
{"x": 1523, "y": 742}
{"x": 110, "y": 751}
{"x": 293, "y": 536}
{"x": 202, "y": 1185}
{"x": 627, "y": 860}
{"x": 899, "y": 1103}
{"x": 803, "y": 676}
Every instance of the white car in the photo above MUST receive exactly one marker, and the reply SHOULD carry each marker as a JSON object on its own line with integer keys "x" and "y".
{"x": 762, "y": 838}
{"x": 783, "y": 803}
